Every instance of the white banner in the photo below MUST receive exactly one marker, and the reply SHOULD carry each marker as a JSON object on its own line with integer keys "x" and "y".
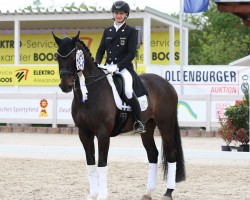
{"x": 64, "y": 109}
{"x": 26, "y": 109}
{"x": 200, "y": 110}
{"x": 205, "y": 79}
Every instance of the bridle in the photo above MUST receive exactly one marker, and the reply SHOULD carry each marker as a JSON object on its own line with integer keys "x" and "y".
{"x": 66, "y": 72}
{"x": 65, "y": 56}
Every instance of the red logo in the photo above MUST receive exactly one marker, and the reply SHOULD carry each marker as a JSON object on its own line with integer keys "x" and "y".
{"x": 87, "y": 41}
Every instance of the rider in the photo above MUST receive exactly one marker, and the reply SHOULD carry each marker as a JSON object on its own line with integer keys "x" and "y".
{"x": 119, "y": 42}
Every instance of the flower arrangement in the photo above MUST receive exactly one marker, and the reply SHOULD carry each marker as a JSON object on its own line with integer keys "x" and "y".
{"x": 227, "y": 130}
{"x": 242, "y": 136}
{"x": 235, "y": 125}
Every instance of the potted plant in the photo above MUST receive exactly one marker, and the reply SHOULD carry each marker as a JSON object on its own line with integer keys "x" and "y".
{"x": 243, "y": 138}
{"x": 235, "y": 125}
{"x": 226, "y": 132}
{"x": 239, "y": 115}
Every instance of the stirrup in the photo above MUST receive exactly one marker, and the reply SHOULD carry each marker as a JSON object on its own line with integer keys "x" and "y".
{"x": 139, "y": 127}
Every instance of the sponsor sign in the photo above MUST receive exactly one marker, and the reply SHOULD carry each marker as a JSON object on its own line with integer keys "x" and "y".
{"x": 208, "y": 79}
{"x": 36, "y": 75}
{"x": 64, "y": 109}
{"x": 191, "y": 111}
{"x": 29, "y": 75}
{"x": 40, "y": 109}
{"x": 41, "y": 48}
{"x": 26, "y": 108}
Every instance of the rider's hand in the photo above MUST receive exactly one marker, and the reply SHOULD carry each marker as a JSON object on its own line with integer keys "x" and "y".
{"x": 112, "y": 69}
{"x": 101, "y": 66}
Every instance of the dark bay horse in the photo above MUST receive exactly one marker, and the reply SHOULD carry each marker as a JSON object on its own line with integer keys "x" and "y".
{"x": 96, "y": 117}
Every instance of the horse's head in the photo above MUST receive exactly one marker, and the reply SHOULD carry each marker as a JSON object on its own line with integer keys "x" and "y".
{"x": 66, "y": 57}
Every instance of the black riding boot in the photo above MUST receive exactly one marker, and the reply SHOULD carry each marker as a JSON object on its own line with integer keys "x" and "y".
{"x": 138, "y": 125}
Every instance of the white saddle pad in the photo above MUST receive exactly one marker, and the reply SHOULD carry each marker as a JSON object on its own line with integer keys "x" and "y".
{"x": 122, "y": 105}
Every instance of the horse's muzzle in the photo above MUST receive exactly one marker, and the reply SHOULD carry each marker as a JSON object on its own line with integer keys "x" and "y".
{"x": 66, "y": 88}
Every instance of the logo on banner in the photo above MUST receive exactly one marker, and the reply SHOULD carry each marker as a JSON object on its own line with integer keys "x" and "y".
{"x": 221, "y": 109}
{"x": 43, "y": 104}
{"x": 188, "y": 108}
{"x": 22, "y": 74}
{"x": 87, "y": 40}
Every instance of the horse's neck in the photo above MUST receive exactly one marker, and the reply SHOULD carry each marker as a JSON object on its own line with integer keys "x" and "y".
{"x": 90, "y": 69}
{"x": 91, "y": 74}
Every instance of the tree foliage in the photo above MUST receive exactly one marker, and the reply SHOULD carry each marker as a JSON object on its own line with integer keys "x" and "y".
{"x": 219, "y": 38}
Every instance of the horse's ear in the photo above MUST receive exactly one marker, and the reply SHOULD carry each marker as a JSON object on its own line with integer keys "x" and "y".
{"x": 78, "y": 34}
{"x": 57, "y": 40}
{"x": 76, "y": 37}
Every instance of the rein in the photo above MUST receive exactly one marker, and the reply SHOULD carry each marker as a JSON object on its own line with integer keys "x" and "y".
{"x": 100, "y": 78}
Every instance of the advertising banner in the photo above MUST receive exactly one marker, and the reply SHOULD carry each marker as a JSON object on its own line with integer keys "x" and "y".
{"x": 29, "y": 75}
{"x": 205, "y": 79}
{"x": 64, "y": 109}
{"x": 41, "y": 48}
{"x": 26, "y": 109}
{"x": 41, "y": 109}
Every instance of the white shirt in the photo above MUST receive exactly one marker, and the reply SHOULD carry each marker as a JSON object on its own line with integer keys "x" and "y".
{"x": 117, "y": 26}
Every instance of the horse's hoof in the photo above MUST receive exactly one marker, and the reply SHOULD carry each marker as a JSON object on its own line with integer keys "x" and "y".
{"x": 167, "y": 198}
{"x": 89, "y": 197}
{"x": 146, "y": 197}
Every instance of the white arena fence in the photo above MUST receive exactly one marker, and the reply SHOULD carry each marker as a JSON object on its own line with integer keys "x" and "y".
{"x": 55, "y": 109}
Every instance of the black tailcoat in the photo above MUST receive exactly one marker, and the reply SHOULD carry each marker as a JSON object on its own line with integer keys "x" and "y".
{"x": 120, "y": 47}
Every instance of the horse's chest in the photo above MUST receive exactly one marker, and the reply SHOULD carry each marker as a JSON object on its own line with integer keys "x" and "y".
{"x": 79, "y": 117}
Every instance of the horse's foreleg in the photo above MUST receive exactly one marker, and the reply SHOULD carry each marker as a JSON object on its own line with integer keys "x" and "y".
{"x": 93, "y": 182}
{"x": 102, "y": 169}
{"x": 89, "y": 147}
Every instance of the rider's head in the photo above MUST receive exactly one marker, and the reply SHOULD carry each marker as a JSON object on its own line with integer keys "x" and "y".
{"x": 120, "y": 10}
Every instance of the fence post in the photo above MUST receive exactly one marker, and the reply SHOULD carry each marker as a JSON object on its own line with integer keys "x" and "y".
{"x": 208, "y": 124}
{"x": 54, "y": 120}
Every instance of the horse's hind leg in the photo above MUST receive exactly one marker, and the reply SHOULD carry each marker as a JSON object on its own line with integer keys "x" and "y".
{"x": 172, "y": 155}
{"x": 168, "y": 156}
{"x": 152, "y": 154}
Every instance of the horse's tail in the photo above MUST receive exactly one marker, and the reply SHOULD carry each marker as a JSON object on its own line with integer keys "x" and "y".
{"x": 180, "y": 170}
{"x": 180, "y": 164}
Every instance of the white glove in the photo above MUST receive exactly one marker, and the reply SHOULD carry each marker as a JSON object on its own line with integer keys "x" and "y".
{"x": 112, "y": 68}
{"x": 101, "y": 66}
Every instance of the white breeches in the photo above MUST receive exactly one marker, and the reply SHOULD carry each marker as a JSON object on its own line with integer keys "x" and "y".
{"x": 128, "y": 83}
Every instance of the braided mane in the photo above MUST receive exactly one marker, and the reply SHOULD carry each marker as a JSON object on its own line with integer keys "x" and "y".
{"x": 85, "y": 48}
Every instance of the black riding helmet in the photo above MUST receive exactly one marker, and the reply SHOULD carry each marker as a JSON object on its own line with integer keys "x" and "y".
{"x": 120, "y": 6}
